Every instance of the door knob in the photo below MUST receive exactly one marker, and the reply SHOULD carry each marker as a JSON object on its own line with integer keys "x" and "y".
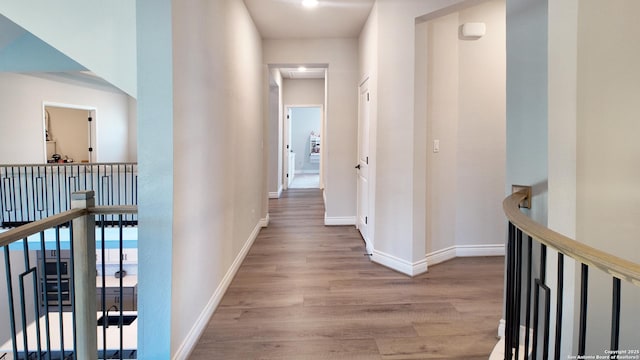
{"x": 358, "y": 166}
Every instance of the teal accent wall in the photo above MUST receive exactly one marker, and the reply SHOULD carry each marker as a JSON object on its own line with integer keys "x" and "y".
{"x": 27, "y": 53}
{"x": 155, "y": 181}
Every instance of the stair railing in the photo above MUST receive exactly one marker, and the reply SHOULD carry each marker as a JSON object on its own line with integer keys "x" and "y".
{"x": 62, "y": 322}
{"x": 30, "y": 192}
{"x": 528, "y": 295}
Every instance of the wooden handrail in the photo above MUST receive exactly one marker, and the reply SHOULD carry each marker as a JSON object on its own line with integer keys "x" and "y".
{"x": 611, "y": 264}
{"x": 114, "y": 209}
{"x": 21, "y": 232}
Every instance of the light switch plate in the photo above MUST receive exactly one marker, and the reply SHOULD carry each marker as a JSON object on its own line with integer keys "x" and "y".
{"x": 436, "y": 146}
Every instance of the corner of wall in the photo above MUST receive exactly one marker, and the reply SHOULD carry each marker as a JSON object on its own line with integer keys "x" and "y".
{"x": 399, "y": 265}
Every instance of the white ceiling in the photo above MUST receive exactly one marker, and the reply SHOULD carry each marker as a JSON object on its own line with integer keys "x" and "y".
{"x": 287, "y": 19}
{"x": 280, "y": 19}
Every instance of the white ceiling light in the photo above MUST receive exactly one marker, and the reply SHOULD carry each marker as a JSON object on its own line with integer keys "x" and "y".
{"x": 309, "y": 3}
{"x": 302, "y": 69}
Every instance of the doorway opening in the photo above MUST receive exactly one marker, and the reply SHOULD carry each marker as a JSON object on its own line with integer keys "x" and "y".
{"x": 69, "y": 133}
{"x": 304, "y": 144}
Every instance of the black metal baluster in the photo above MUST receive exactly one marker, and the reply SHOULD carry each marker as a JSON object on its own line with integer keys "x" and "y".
{"x": 518, "y": 291}
{"x": 547, "y": 322}
{"x": 584, "y": 291}
{"x": 104, "y": 286}
{"x": 121, "y": 320}
{"x": 559, "y": 295}
{"x": 539, "y": 283}
{"x": 34, "y": 283}
{"x": 59, "y": 282}
{"x": 615, "y": 316}
{"x": 72, "y": 289}
{"x": 22, "y": 217}
{"x": 12, "y": 319}
{"x": 509, "y": 293}
{"x": 45, "y": 184}
{"x": 60, "y": 208}
{"x": 528, "y": 306}
{"x": 45, "y": 300}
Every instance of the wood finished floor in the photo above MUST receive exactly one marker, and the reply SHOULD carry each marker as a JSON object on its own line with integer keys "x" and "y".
{"x": 306, "y": 291}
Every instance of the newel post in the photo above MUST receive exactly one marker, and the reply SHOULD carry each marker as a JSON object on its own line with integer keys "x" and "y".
{"x": 84, "y": 280}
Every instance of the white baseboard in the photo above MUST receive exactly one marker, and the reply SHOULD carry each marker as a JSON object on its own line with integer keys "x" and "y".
{"x": 311, "y": 172}
{"x": 368, "y": 246}
{"x": 399, "y": 265}
{"x": 200, "y": 325}
{"x": 339, "y": 220}
{"x": 452, "y": 252}
{"x": 276, "y": 194}
{"x": 480, "y": 250}
{"x": 264, "y": 222}
{"x": 440, "y": 256}
{"x": 436, "y": 257}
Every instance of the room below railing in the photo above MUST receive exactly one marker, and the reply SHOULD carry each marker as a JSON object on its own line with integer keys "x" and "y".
{"x": 70, "y": 288}
{"x": 534, "y": 328}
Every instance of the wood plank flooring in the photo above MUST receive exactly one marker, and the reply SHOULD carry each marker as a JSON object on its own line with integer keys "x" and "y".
{"x": 306, "y": 291}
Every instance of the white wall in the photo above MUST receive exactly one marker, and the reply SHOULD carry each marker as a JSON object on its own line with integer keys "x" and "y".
{"x": 482, "y": 129}
{"x": 465, "y": 110}
{"x": 562, "y": 72}
{"x": 388, "y": 55}
{"x": 608, "y": 150}
{"x": 218, "y": 157}
{"x": 442, "y": 124}
{"x": 22, "y": 125}
{"x": 101, "y": 36}
{"x": 303, "y": 91}
{"x": 341, "y": 55}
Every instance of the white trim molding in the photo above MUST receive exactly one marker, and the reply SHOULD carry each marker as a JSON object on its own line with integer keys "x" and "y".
{"x": 452, "y": 252}
{"x": 339, "y": 220}
{"x": 399, "y": 265}
{"x": 264, "y": 222}
{"x": 480, "y": 250}
{"x": 200, "y": 325}
{"x": 276, "y": 194}
{"x": 440, "y": 256}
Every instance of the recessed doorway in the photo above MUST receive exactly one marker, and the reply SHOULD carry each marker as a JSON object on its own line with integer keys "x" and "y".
{"x": 305, "y": 144}
{"x": 69, "y": 134}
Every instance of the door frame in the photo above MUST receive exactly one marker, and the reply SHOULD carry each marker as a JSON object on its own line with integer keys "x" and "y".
{"x": 367, "y": 234}
{"x": 91, "y": 134}
{"x": 286, "y": 136}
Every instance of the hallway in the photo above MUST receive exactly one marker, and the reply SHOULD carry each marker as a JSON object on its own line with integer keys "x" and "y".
{"x": 306, "y": 291}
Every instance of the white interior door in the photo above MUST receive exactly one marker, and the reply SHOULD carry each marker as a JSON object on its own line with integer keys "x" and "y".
{"x": 288, "y": 162}
{"x": 363, "y": 162}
